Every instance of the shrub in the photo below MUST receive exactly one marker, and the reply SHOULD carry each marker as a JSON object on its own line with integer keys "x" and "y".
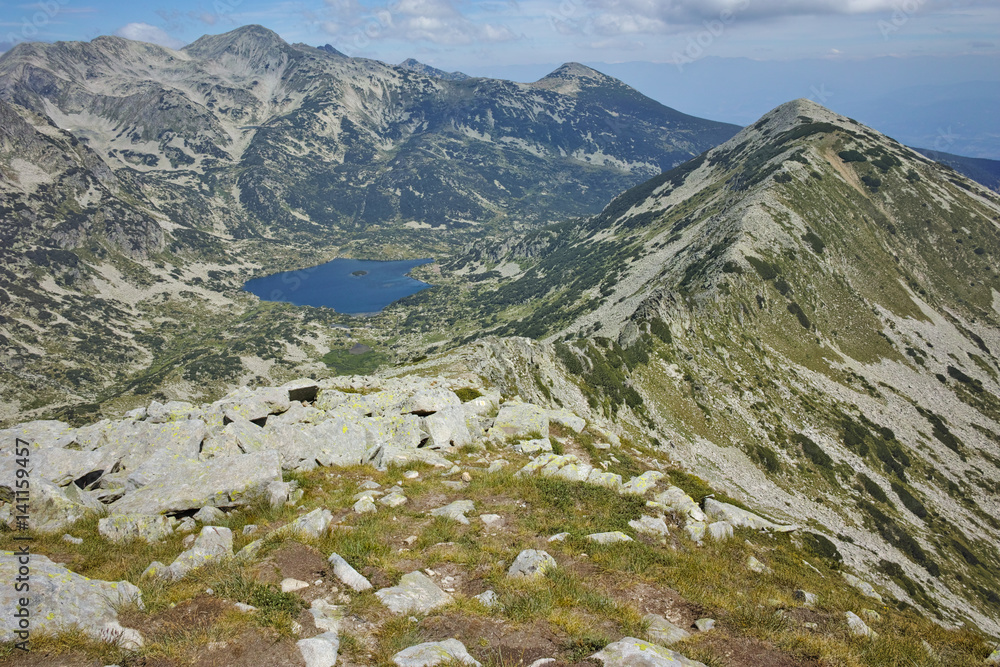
{"x": 852, "y": 156}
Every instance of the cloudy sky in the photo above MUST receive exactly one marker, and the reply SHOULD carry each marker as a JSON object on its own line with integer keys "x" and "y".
{"x": 725, "y": 59}
{"x": 474, "y": 34}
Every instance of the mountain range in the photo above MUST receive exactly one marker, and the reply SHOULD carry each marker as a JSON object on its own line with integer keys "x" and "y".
{"x": 803, "y": 312}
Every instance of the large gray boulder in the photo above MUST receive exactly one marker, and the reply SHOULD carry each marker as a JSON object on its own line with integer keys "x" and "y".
{"x": 403, "y": 431}
{"x": 65, "y": 466}
{"x": 41, "y": 434}
{"x": 310, "y": 526}
{"x": 741, "y": 518}
{"x": 60, "y": 600}
{"x": 531, "y": 563}
{"x": 447, "y": 428}
{"x": 52, "y": 508}
{"x": 347, "y": 574}
{"x": 389, "y": 455}
{"x": 663, "y": 631}
{"x": 415, "y": 594}
{"x": 321, "y": 650}
{"x": 173, "y": 411}
{"x": 124, "y": 527}
{"x": 455, "y": 511}
{"x": 632, "y": 652}
{"x": 133, "y": 443}
{"x": 675, "y": 500}
{"x": 430, "y": 654}
{"x": 214, "y": 543}
{"x": 429, "y": 400}
{"x": 517, "y": 420}
{"x": 340, "y": 442}
{"x": 185, "y": 484}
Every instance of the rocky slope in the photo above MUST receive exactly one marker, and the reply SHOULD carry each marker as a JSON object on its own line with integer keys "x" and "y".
{"x": 411, "y": 521}
{"x": 140, "y": 186}
{"x": 807, "y": 316}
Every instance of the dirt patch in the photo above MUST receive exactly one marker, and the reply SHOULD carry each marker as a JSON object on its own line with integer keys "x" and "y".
{"x": 257, "y": 648}
{"x": 299, "y": 561}
{"x": 198, "y": 613}
{"x": 35, "y": 658}
{"x": 747, "y": 652}
{"x": 651, "y": 598}
{"x": 493, "y": 640}
{"x": 429, "y": 501}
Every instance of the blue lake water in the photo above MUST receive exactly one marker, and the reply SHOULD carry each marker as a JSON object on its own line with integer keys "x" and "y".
{"x": 352, "y": 286}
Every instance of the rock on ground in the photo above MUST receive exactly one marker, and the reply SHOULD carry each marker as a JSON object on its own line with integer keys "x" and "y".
{"x": 60, "y": 599}
{"x": 531, "y": 563}
{"x": 321, "y": 650}
{"x": 430, "y": 654}
{"x": 125, "y": 527}
{"x": 455, "y": 511}
{"x": 663, "y": 631}
{"x": 347, "y": 574}
{"x": 415, "y": 594}
{"x": 632, "y": 652}
{"x": 741, "y": 518}
{"x": 214, "y": 543}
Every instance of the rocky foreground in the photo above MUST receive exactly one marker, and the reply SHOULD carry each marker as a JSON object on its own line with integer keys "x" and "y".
{"x": 232, "y": 487}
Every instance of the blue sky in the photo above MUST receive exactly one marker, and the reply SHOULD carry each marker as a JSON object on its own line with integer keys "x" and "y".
{"x": 927, "y": 70}
{"x": 472, "y": 35}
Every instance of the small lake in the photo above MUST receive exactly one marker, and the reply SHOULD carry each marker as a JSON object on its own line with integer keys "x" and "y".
{"x": 351, "y": 286}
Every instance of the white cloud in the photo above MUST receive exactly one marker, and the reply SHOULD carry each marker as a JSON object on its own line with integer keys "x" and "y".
{"x": 434, "y": 21}
{"x": 143, "y": 32}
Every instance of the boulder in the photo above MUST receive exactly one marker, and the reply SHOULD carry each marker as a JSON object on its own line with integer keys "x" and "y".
{"x": 405, "y": 431}
{"x": 52, "y": 508}
{"x": 214, "y": 543}
{"x": 430, "y": 654}
{"x": 321, "y": 650}
{"x": 339, "y": 442}
{"x": 755, "y": 565}
{"x": 40, "y": 434}
{"x": 720, "y": 530}
{"x": 648, "y": 525}
{"x": 663, "y": 631}
{"x": 642, "y": 484}
{"x": 675, "y": 500}
{"x": 856, "y": 626}
{"x": 741, "y": 518}
{"x": 301, "y": 390}
{"x": 173, "y": 411}
{"x": 65, "y": 466}
{"x": 429, "y": 400}
{"x": 455, "y": 511}
{"x": 60, "y": 600}
{"x": 134, "y": 443}
{"x": 608, "y": 480}
{"x": 124, "y": 527}
{"x": 309, "y": 526}
{"x": 186, "y": 484}
{"x": 609, "y": 538}
{"x": 209, "y": 515}
{"x": 518, "y": 420}
{"x": 632, "y": 652}
{"x": 531, "y": 563}
{"x": 347, "y": 574}
{"x": 415, "y": 594}
{"x": 326, "y": 616}
{"x": 447, "y": 428}
{"x": 566, "y": 418}
{"x": 806, "y": 598}
{"x": 534, "y": 446}
{"x": 389, "y": 455}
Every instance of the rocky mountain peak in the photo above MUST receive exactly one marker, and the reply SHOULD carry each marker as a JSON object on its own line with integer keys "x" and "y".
{"x": 415, "y": 65}
{"x": 251, "y": 41}
{"x": 572, "y": 77}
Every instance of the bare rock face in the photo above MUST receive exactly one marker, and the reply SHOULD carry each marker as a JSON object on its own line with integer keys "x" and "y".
{"x": 61, "y": 599}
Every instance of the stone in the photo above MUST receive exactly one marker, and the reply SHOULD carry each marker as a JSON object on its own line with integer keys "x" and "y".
{"x": 871, "y": 615}
{"x": 187, "y": 484}
{"x": 531, "y": 563}
{"x": 608, "y": 480}
{"x": 856, "y": 626}
{"x": 321, "y": 650}
{"x": 497, "y": 466}
{"x": 541, "y": 662}
{"x": 134, "y": 443}
{"x": 289, "y": 585}
{"x": 430, "y": 654}
{"x": 632, "y": 652}
{"x": 250, "y": 529}
{"x": 574, "y": 472}
{"x": 663, "y": 631}
{"x": 863, "y": 586}
{"x": 309, "y": 526}
{"x": 755, "y": 565}
{"x": 704, "y": 624}
{"x": 994, "y": 658}
{"x": 429, "y": 400}
{"x": 609, "y": 538}
{"x": 364, "y": 506}
{"x": 720, "y": 530}
{"x": 347, "y": 574}
{"x": 406, "y": 431}
{"x": 244, "y": 607}
{"x": 741, "y": 518}
{"x": 566, "y": 418}
{"x": 447, "y": 428}
{"x": 490, "y": 519}
{"x": 558, "y": 537}
{"x": 806, "y": 598}
{"x": 186, "y": 525}
{"x": 209, "y": 515}
{"x": 301, "y": 390}
{"x": 277, "y": 493}
{"x": 65, "y": 466}
{"x": 173, "y": 411}
{"x": 326, "y": 616}
{"x": 530, "y": 447}
{"x": 518, "y": 420}
{"x": 455, "y": 510}
{"x": 213, "y": 543}
{"x": 487, "y": 598}
{"x": 72, "y": 540}
{"x": 675, "y": 500}
{"x": 124, "y": 527}
{"x": 696, "y": 530}
{"x": 61, "y": 600}
{"x": 52, "y": 508}
{"x": 642, "y": 484}
{"x": 415, "y": 594}
{"x": 384, "y": 456}
{"x": 394, "y": 499}
{"x": 648, "y": 525}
